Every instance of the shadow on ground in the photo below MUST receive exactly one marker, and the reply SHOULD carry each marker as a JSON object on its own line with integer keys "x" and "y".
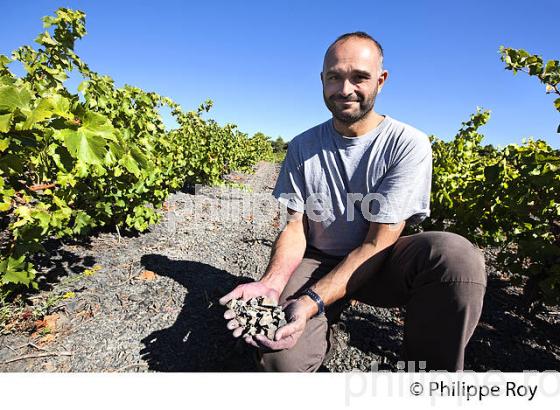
{"x": 374, "y": 336}
{"x": 505, "y": 339}
{"x": 56, "y": 263}
{"x": 509, "y": 340}
{"x": 199, "y": 339}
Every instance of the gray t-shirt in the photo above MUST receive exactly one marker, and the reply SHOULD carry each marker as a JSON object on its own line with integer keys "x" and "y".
{"x": 344, "y": 183}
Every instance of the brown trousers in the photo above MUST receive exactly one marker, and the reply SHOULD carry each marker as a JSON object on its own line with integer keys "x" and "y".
{"x": 439, "y": 276}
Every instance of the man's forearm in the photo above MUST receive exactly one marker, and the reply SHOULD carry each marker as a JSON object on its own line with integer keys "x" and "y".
{"x": 354, "y": 270}
{"x": 287, "y": 253}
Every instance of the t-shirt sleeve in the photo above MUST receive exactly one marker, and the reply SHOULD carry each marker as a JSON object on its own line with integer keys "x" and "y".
{"x": 290, "y": 185}
{"x": 403, "y": 194}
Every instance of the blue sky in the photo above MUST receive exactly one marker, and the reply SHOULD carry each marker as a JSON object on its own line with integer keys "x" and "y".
{"x": 260, "y": 61}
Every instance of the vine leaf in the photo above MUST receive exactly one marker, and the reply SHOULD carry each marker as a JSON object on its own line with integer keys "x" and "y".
{"x": 5, "y": 122}
{"x": 12, "y": 98}
{"x": 15, "y": 271}
{"x": 54, "y": 105}
{"x": 88, "y": 142}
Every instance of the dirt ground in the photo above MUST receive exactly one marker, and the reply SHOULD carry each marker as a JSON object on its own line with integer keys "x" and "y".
{"x": 148, "y": 302}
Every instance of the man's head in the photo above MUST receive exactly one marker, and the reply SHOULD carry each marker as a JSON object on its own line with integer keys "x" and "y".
{"x": 352, "y": 76}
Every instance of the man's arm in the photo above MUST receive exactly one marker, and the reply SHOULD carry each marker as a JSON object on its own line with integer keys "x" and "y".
{"x": 287, "y": 252}
{"x": 356, "y": 268}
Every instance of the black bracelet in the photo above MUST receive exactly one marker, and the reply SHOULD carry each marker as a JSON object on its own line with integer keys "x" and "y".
{"x": 317, "y": 299}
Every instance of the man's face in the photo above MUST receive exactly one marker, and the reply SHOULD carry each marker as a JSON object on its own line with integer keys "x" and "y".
{"x": 350, "y": 79}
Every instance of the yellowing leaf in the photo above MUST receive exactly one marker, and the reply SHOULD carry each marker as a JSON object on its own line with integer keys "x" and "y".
{"x": 147, "y": 275}
{"x": 47, "y": 338}
{"x": 46, "y": 326}
{"x": 50, "y": 321}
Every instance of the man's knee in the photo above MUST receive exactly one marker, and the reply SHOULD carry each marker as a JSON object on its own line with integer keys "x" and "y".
{"x": 306, "y": 356}
{"x": 455, "y": 258}
{"x": 290, "y": 361}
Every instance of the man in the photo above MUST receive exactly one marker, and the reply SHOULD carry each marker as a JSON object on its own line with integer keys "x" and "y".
{"x": 350, "y": 186}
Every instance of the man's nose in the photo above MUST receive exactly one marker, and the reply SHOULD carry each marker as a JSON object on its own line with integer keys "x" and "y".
{"x": 347, "y": 88}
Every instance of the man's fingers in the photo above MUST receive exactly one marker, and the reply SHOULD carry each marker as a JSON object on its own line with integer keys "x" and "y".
{"x": 229, "y": 314}
{"x": 287, "y": 303}
{"x": 249, "y": 340}
{"x": 237, "y": 332}
{"x": 285, "y": 331}
{"x": 234, "y": 294}
{"x": 264, "y": 341}
{"x": 232, "y": 324}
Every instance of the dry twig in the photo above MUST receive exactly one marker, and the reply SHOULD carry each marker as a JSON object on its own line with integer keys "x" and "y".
{"x": 35, "y": 356}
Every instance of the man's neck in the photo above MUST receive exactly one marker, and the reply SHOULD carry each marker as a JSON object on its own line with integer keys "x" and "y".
{"x": 365, "y": 125}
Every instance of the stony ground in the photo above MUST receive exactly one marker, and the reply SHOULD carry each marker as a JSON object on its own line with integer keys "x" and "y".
{"x": 149, "y": 302}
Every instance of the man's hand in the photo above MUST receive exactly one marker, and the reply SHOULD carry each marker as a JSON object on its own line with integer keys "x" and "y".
{"x": 246, "y": 291}
{"x": 297, "y": 312}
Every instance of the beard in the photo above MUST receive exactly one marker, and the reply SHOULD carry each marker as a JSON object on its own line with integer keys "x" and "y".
{"x": 349, "y": 117}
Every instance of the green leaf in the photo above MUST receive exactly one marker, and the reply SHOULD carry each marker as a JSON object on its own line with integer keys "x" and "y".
{"x": 88, "y": 143}
{"x": 82, "y": 222}
{"x": 48, "y": 21}
{"x": 61, "y": 106}
{"x": 557, "y": 103}
{"x": 88, "y": 147}
{"x": 45, "y": 38}
{"x": 5, "y": 122}
{"x": 114, "y": 153}
{"x": 83, "y": 85}
{"x": 43, "y": 218}
{"x": 61, "y": 157}
{"x": 13, "y": 163}
{"x": 551, "y": 65}
{"x": 4, "y": 61}
{"x": 15, "y": 271}
{"x": 5, "y": 204}
{"x": 55, "y": 105}
{"x": 59, "y": 74}
{"x": 130, "y": 164}
{"x": 5, "y": 80}
{"x": 98, "y": 124}
{"x": 139, "y": 156}
{"x": 12, "y": 98}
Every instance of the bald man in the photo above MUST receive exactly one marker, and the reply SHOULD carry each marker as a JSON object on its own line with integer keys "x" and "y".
{"x": 350, "y": 185}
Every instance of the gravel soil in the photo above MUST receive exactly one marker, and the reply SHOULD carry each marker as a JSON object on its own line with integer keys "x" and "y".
{"x": 150, "y": 301}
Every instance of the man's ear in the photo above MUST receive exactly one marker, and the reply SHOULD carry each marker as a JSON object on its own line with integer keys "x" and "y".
{"x": 321, "y": 75}
{"x": 384, "y": 75}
